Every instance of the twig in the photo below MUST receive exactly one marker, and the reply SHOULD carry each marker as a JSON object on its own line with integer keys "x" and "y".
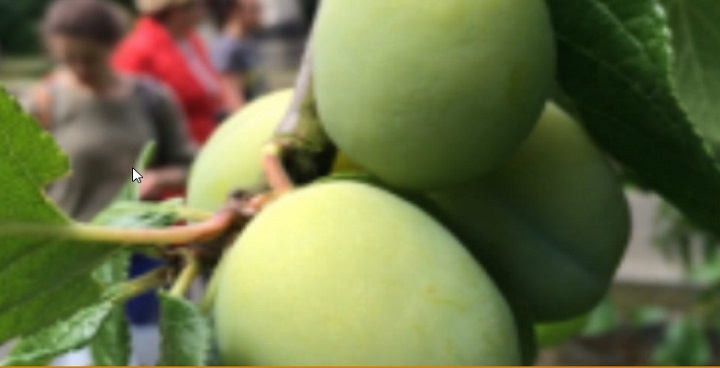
{"x": 202, "y": 231}
{"x": 275, "y": 172}
{"x": 187, "y": 275}
{"x": 149, "y": 281}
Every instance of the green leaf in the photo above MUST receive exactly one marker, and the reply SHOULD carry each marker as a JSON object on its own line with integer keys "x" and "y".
{"x": 707, "y": 273}
{"x": 60, "y": 338}
{"x": 557, "y": 333}
{"x": 648, "y": 316}
{"x": 695, "y": 28}
{"x": 111, "y": 345}
{"x": 43, "y": 280}
{"x": 140, "y": 215}
{"x": 213, "y": 358}
{"x": 185, "y": 333}
{"x": 684, "y": 343}
{"x": 131, "y": 191}
{"x": 614, "y": 63}
{"x": 114, "y": 271}
{"x": 127, "y": 211}
{"x": 602, "y": 319}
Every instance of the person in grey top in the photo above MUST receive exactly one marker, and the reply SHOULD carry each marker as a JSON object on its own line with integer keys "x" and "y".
{"x": 102, "y": 119}
{"x": 235, "y": 53}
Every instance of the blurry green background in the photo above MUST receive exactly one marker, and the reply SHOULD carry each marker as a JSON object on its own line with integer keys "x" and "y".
{"x": 18, "y": 24}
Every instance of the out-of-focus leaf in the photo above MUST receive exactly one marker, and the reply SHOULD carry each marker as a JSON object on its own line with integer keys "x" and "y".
{"x": 111, "y": 345}
{"x": 684, "y": 343}
{"x": 614, "y": 65}
{"x": 556, "y": 333}
{"x": 602, "y": 319}
{"x": 695, "y": 27}
{"x": 131, "y": 191}
{"x": 707, "y": 273}
{"x": 647, "y": 316}
{"x": 43, "y": 280}
{"x": 139, "y": 215}
{"x": 63, "y": 336}
{"x": 185, "y": 333}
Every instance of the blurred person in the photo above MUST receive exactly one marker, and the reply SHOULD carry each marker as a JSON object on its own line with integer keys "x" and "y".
{"x": 102, "y": 119}
{"x": 235, "y": 53}
{"x": 164, "y": 44}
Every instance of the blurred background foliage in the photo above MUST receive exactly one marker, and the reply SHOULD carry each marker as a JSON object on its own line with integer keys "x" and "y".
{"x": 18, "y": 24}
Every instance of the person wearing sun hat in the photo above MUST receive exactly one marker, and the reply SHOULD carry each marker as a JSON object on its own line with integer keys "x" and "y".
{"x": 164, "y": 45}
{"x": 155, "y": 6}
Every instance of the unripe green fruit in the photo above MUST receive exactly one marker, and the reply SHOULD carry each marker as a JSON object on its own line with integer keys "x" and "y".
{"x": 550, "y": 225}
{"x": 344, "y": 273}
{"x": 232, "y": 157}
{"x": 429, "y": 94}
{"x": 343, "y": 164}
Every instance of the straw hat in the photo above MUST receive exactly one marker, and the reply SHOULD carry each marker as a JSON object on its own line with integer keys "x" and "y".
{"x": 154, "y": 6}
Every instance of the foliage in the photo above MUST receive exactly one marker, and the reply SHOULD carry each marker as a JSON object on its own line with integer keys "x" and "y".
{"x": 37, "y": 271}
{"x": 696, "y": 34}
{"x": 19, "y": 22}
{"x": 615, "y": 68}
{"x": 185, "y": 333}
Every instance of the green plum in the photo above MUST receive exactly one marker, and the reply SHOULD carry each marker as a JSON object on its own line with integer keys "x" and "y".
{"x": 344, "y": 273}
{"x": 550, "y": 225}
{"x": 431, "y": 94}
{"x": 232, "y": 157}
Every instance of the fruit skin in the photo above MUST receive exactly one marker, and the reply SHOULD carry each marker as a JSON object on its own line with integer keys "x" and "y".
{"x": 430, "y": 94}
{"x": 232, "y": 157}
{"x": 342, "y": 164}
{"x": 343, "y": 273}
{"x": 550, "y": 225}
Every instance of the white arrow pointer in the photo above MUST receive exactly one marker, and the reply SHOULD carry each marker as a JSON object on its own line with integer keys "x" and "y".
{"x": 136, "y": 176}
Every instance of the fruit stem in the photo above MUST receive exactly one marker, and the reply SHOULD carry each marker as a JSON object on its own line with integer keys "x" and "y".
{"x": 303, "y": 89}
{"x": 275, "y": 172}
{"x": 193, "y": 214}
{"x": 300, "y": 142}
{"x": 208, "y": 298}
{"x": 202, "y": 231}
{"x": 139, "y": 285}
{"x": 187, "y": 275}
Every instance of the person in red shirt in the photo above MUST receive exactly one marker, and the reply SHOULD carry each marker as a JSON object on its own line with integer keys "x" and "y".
{"x": 163, "y": 44}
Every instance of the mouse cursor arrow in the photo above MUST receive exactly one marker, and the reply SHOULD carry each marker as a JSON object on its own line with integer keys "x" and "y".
{"x": 136, "y": 176}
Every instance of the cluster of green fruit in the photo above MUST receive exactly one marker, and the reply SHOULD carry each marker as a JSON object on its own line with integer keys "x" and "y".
{"x": 513, "y": 217}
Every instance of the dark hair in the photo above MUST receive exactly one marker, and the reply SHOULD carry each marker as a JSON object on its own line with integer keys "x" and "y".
{"x": 95, "y": 20}
{"x": 220, "y": 10}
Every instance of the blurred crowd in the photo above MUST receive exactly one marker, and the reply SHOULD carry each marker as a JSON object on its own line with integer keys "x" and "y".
{"x": 169, "y": 75}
